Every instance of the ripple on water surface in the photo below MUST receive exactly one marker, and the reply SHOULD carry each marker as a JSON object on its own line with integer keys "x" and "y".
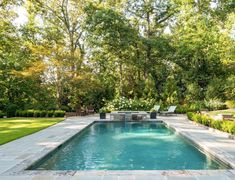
{"x": 128, "y": 146}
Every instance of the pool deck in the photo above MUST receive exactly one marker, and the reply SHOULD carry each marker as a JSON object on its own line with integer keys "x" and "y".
{"x": 17, "y": 155}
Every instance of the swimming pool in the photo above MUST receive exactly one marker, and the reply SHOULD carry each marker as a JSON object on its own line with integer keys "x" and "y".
{"x": 127, "y": 146}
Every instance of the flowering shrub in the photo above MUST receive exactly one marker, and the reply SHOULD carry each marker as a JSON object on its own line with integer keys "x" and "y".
{"x": 130, "y": 104}
{"x": 215, "y": 104}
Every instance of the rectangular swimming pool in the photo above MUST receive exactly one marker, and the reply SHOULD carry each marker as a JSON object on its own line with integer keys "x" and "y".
{"x": 127, "y": 146}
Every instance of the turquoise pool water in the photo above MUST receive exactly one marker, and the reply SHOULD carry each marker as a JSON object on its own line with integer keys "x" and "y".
{"x": 127, "y": 146}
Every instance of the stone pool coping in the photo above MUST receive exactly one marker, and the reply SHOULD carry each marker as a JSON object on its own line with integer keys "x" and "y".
{"x": 17, "y": 155}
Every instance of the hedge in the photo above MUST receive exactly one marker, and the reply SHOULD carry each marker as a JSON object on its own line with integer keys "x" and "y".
{"x": 2, "y": 114}
{"x": 36, "y": 113}
{"x": 222, "y": 125}
{"x": 39, "y": 113}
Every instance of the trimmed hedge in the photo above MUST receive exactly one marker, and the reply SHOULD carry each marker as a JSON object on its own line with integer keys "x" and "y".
{"x": 50, "y": 113}
{"x": 36, "y": 113}
{"x": 2, "y": 114}
{"x": 222, "y": 125}
{"x": 39, "y": 113}
{"x": 59, "y": 113}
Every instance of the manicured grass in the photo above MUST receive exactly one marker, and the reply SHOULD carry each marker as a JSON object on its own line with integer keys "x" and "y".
{"x": 226, "y": 111}
{"x": 14, "y": 128}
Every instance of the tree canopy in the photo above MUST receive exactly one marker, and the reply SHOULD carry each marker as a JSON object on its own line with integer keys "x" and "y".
{"x": 77, "y": 53}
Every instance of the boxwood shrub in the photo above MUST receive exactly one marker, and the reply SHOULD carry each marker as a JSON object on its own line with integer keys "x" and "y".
{"x": 59, "y": 113}
{"x": 223, "y": 125}
{"x": 24, "y": 113}
{"x": 2, "y": 114}
{"x": 30, "y": 113}
{"x": 50, "y": 113}
{"x": 43, "y": 113}
{"x": 37, "y": 113}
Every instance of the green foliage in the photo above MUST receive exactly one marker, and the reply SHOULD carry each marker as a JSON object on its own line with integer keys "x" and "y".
{"x": 216, "y": 125}
{"x": 190, "y": 107}
{"x": 190, "y": 115}
{"x": 226, "y": 126}
{"x": 30, "y": 113}
{"x": 40, "y": 113}
{"x": 43, "y": 113}
{"x": 11, "y": 109}
{"x": 153, "y": 110}
{"x": 215, "y": 89}
{"x": 59, "y": 113}
{"x": 170, "y": 93}
{"x": 37, "y": 113}
{"x": 50, "y": 113}
{"x": 103, "y": 110}
{"x": 193, "y": 92}
{"x": 2, "y": 114}
{"x": 94, "y": 52}
{"x": 230, "y": 86}
{"x": 230, "y": 104}
{"x": 182, "y": 109}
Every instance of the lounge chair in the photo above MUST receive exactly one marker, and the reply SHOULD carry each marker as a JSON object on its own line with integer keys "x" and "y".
{"x": 156, "y": 108}
{"x": 170, "y": 110}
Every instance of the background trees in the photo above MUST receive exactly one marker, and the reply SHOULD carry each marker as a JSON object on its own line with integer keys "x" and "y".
{"x": 75, "y": 53}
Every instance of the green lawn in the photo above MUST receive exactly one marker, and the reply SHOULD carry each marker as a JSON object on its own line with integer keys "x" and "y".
{"x": 14, "y": 128}
{"x": 226, "y": 111}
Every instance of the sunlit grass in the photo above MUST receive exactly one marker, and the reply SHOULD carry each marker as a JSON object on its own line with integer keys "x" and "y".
{"x": 14, "y": 128}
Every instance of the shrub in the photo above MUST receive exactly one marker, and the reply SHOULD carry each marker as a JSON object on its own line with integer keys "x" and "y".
{"x": 2, "y": 114}
{"x": 193, "y": 107}
{"x": 30, "y": 113}
{"x": 129, "y": 104}
{"x": 65, "y": 108}
{"x": 206, "y": 120}
{"x": 43, "y": 113}
{"x": 59, "y": 113}
{"x": 11, "y": 110}
{"x": 182, "y": 109}
{"x": 37, "y": 113}
{"x": 232, "y": 128}
{"x": 230, "y": 104}
{"x": 50, "y": 113}
{"x": 226, "y": 126}
{"x": 17, "y": 113}
{"x": 215, "y": 104}
{"x": 190, "y": 115}
{"x": 196, "y": 106}
{"x": 196, "y": 117}
{"x": 23, "y": 113}
{"x": 216, "y": 124}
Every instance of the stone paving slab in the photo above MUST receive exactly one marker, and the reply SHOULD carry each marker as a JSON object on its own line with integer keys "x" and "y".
{"x": 17, "y": 155}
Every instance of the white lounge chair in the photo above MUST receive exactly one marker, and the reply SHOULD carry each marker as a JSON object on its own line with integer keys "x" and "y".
{"x": 156, "y": 107}
{"x": 170, "y": 110}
